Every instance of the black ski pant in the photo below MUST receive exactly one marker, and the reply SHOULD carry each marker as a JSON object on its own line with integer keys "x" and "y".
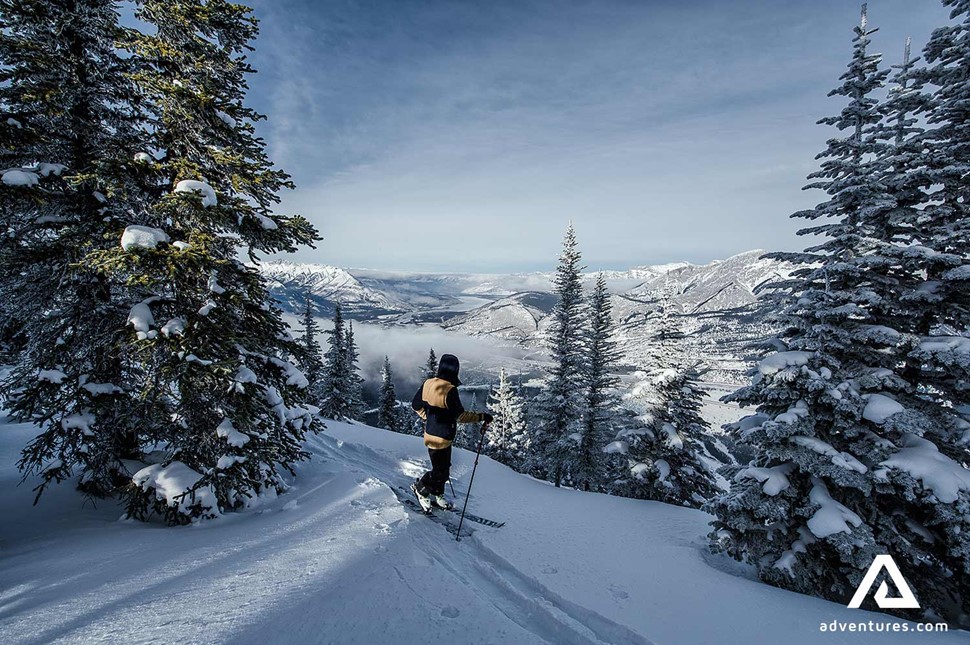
{"x": 434, "y": 480}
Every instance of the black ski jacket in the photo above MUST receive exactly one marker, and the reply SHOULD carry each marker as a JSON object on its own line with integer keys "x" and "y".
{"x": 438, "y": 403}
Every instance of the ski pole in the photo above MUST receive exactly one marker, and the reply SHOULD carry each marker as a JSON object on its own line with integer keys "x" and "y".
{"x": 452, "y": 488}
{"x": 481, "y": 443}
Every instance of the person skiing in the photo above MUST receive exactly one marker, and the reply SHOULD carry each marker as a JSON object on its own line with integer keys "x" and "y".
{"x": 438, "y": 403}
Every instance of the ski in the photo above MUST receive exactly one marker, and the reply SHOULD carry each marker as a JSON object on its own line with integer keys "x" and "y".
{"x": 476, "y": 518}
{"x": 407, "y": 498}
{"x": 468, "y": 516}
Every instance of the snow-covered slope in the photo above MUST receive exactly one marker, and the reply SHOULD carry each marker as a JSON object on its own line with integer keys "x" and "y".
{"x": 516, "y": 318}
{"x": 339, "y": 560}
{"x": 718, "y": 286}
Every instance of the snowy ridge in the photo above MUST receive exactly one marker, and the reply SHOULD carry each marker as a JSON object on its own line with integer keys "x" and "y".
{"x": 326, "y": 285}
{"x": 716, "y": 286}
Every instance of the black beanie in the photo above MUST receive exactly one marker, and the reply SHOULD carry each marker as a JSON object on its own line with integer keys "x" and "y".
{"x": 448, "y": 368}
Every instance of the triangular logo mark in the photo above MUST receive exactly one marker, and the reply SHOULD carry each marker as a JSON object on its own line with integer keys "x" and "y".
{"x": 905, "y": 600}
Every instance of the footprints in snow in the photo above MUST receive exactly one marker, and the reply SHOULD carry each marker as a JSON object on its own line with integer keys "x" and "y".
{"x": 376, "y": 509}
{"x": 618, "y": 593}
{"x": 450, "y": 612}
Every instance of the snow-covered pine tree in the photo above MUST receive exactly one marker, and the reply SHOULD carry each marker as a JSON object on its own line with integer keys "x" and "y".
{"x": 667, "y": 459}
{"x": 218, "y": 391}
{"x": 431, "y": 366}
{"x": 839, "y": 433}
{"x": 926, "y": 523}
{"x": 667, "y": 333}
{"x": 336, "y": 386}
{"x": 69, "y": 134}
{"x": 790, "y": 511}
{"x": 309, "y": 359}
{"x": 670, "y": 462}
{"x": 507, "y": 439}
{"x": 355, "y": 382}
{"x": 587, "y": 461}
{"x": 560, "y": 406}
{"x": 428, "y": 370}
{"x": 388, "y": 411}
{"x": 942, "y": 241}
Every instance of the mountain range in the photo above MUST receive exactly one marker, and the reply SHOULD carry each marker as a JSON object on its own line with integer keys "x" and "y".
{"x": 716, "y": 304}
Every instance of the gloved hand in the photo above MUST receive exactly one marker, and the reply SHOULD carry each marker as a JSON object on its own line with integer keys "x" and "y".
{"x": 486, "y": 419}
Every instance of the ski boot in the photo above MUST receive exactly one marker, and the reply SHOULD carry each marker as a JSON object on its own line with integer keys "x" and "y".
{"x": 439, "y": 501}
{"x": 423, "y": 499}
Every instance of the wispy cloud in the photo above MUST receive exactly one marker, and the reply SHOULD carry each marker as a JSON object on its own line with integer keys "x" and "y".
{"x": 463, "y": 135}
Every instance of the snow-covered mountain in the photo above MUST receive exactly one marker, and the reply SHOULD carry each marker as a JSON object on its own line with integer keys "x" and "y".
{"x": 326, "y": 285}
{"x": 717, "y": 303}
{"x": 718, "y": 286}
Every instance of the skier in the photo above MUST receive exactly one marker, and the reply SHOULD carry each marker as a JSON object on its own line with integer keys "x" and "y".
{"x": 437, "y": 402}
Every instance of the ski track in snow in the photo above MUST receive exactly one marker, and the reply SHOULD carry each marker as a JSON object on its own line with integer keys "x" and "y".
{"x": 523, "y": 600}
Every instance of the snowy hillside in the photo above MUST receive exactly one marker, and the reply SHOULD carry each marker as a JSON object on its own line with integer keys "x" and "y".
{"x": 718, "y": 286}
{"x": 338, "y": 559}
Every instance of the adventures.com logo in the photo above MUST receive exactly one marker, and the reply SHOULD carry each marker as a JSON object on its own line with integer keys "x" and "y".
{"x": 905, "y": 600}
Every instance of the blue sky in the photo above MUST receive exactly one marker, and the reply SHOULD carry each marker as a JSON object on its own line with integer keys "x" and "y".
{"x": 464, "y": 136}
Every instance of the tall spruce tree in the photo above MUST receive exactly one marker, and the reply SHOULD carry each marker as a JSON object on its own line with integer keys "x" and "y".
{"x": 943, "y": 238}
{"x": 336, "y": 385}
{"x": 560, "y": 407}
{"x": 925, "y": 525}
{"x": 587, "y": 463}
{"x": 310, "y": 361}
{"x": 69, "y": 134}
{"x": 840, "y": 433}
{"x": 507, "y": 440}
{"x": 355, "y": 382}
{"x": 388, "y": 411}
{"x": 790, "y": 512}
{"x": 217, "y": 390}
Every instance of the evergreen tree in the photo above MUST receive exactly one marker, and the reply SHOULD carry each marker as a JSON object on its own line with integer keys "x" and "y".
{"x": 507, "y": 440}
{"x": 560, "y": 414}
{"x": 217, "y": 388}
{"x": 587, "y": 464}
{"x": 336, "y": 385}
{"x": 773, "y": 515}
{"x": 355, "y": 383}
{"x": 667, "y": 333}
{"x": 840, "y": 432}
{"x": 941, "y": 298}
{"x": 431, "y": 367}
{"x": 69, "y": 134}
{"x": 925, "y": 527}
{"x": 389, "y": 412}
{"x": 310, "y": 362}
{"x": 667, "y": 457}
{"x": 428, "y": 370}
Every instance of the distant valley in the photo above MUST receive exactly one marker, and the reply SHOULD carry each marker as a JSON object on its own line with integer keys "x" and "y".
{"x": 716, "y": 304}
